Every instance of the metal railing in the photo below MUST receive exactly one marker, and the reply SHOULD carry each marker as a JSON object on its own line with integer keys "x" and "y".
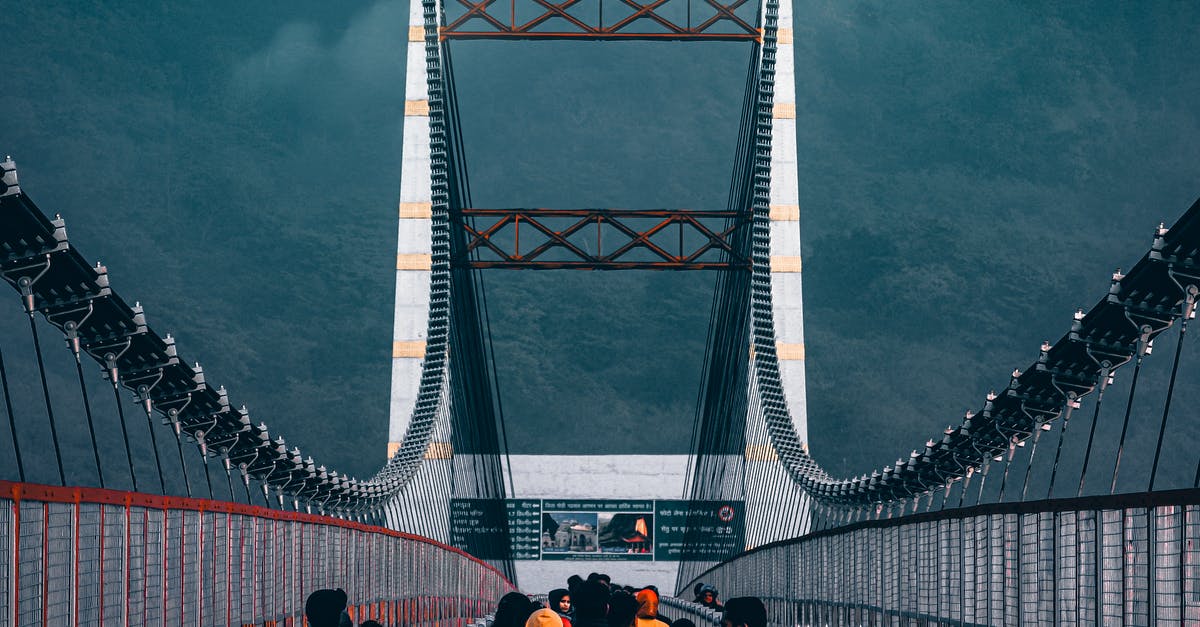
{"x": 81, "y": 556}
{"x": 1130, "y": 559}
{"x": 676, "y": 608}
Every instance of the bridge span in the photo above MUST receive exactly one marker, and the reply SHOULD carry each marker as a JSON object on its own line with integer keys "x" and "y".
{"x": 974, "y": 526}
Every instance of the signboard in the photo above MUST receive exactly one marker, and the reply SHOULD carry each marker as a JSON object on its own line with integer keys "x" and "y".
{"x": 700, "y": 530}
{"x": 597, "y": 529}
{"x": 524, "y": 528}
{"x": 601, "y": 529}
{"x": 475, "y": 525}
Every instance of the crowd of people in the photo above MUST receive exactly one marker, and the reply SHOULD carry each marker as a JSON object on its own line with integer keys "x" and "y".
{"x": 592, "y": 602}
{"x": 597, "y": 602}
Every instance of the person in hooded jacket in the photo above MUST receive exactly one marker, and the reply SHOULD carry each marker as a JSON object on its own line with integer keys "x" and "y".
{"x": 560, "y": 602}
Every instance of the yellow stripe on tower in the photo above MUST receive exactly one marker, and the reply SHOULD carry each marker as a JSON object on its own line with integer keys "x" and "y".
{"x": 784, "y": 35}
{"x": 789, "y": 351}
{"x": 393, "y": 447}
{"x": 411, "y": 348}
{"x": 414, "y": 261}
{"x": 416, "y": 210}
{"x": 784, "y": 111}
{"x": 416, "y": 33}
{"x": 419, "y": 107}
{"x": 785, "y": 263}
{"x": 785, "y": 213}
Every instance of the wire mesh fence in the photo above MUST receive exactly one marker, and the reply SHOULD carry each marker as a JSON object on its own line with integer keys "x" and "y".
{"x": 1128, "y": 559}
{"x": 78, "y": 556}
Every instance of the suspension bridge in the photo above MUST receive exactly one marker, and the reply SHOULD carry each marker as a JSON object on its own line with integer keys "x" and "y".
{"x": 1007, "y": 516}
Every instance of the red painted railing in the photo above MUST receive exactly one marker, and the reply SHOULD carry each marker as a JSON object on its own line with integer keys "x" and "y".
{"x": 85, "y": 556}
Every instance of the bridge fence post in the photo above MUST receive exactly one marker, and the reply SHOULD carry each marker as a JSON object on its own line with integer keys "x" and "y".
{"x": 1091, "y": 543}
{"x": 1151, "y": 566}
{"x": 1188, "y": 538}
{"x": 882, "y": 560}
{"x": 1070, "y": 569}
{"x": 854, "y": 578}
{"x": 903, "y": 556}
{"x": 10, "y": 560}
{"x": 1027, "y": 577}
{"x": 925, "y": 559}
{"x": 940, "y": 571}
{"x": 962, "y": 571}
{"x": 1138, "y": 570}
{"x": 1011, "y": 581}
{"x": 1189, "y": 562}
{"x": 1109, "y": 554}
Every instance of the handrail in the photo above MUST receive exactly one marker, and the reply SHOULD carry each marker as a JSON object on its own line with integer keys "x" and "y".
{"x": 90, "y": 555}
{"x": 17, "y": 492}
{"x": 1088, "y": 559}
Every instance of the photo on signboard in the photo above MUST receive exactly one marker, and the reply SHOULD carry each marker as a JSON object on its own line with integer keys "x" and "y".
{"x": 569, "y": 532}
{"x": 626, "y": 533}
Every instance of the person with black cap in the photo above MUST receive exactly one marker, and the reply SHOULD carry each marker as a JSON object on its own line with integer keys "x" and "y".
{"x": 744, "y": 612}
{"x": 707, "y": 596}
{"x": 324, "y": 608}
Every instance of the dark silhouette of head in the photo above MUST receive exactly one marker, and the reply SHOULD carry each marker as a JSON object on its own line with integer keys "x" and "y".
{"x": 622, "y": 609}
{"x": 602, "y": 578}
{"x": 744, "y": 611}
{"x": 513, "y": 610}
{"x": 590, "y": 599}
{"x": 324, "y": 607}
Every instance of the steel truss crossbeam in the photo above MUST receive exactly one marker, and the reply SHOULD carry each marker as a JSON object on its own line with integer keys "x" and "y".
{"x": 701, "y": 240}
{"x": 602, "y": 19}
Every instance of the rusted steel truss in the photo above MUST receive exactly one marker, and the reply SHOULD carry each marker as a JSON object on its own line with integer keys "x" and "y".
{"x": 555, "y": 239}
{"x": 602, "y": 19}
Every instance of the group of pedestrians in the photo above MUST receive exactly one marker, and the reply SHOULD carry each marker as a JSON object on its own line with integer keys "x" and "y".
{"x": 591, "y": 602}
{"x": 597, "y": 602}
